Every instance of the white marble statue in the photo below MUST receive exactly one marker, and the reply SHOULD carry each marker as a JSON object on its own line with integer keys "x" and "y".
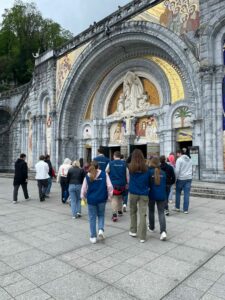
{"x": 133, "y": 98}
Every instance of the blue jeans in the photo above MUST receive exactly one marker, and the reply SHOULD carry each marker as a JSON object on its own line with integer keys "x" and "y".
{"x": 95, "y": 211}
{"x": 47, "y": 191}
{"x": 184, "y": 185}
{"x": 64, "y": 189}
{"x": 125, "y": 197}
{"x": 74, "y": 191}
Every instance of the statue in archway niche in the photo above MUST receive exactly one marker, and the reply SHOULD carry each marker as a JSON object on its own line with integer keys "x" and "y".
{"x": 134, "y": 98}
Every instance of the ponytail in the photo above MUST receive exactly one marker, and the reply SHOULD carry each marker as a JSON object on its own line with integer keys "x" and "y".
{"x": 93, "y": 170}
{"x": 157, "y": 176}
{"x": 154, "y": 163}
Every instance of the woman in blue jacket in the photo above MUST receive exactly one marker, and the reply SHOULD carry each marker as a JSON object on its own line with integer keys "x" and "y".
{"x": 97, "y": 189}
{"x": 138, "y": 194}
{"x": 157, "y": 195}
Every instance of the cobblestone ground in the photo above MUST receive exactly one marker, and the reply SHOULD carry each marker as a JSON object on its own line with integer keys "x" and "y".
{"x": 45, "y": 254}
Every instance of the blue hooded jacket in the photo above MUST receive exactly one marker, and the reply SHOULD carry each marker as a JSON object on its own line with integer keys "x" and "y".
{"x": 157, "y": 192}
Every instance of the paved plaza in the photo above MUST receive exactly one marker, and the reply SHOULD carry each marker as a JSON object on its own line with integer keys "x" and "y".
{"x": 45, "y": 254}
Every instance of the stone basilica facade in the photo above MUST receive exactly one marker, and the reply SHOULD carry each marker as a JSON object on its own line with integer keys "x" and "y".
{"x": 149, "y": 76}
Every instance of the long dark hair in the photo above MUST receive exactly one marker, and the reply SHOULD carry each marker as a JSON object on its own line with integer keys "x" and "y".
{"x": 137, "y": 163}
{"x": 154, "y": 163}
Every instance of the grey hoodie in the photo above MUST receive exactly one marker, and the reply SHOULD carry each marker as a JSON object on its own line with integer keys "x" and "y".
{"x": 183, "y": 168}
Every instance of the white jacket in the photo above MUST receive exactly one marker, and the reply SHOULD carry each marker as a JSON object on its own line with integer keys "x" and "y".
{"x": 183, "y": 168}
{"x": 42, "y": 170}
{"x": 64, "y": 168}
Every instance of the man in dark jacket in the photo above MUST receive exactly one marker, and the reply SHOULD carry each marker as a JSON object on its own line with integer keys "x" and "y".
{"x": 20, "y": 177}
{"x": 50, "y": 173}
{"x": 170, "y": 179}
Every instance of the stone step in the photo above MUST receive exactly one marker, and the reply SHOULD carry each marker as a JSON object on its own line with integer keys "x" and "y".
{"x": 208, "y": 191}
{"x": 208, "y": 195}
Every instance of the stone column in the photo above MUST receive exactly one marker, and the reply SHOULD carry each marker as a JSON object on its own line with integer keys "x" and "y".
{"x": 23, "y": 136}
{"x": 43, "y": 134}
{"x": 34, "y": 141}
{"x": 53, "y": 116}
{"x": 105, "y": 133}
{"x": 208, "y": 115}
{"x": 219, "y": 118}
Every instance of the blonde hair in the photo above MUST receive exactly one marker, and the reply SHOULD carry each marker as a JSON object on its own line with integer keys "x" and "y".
{"x": 93, "y": 170}
{"x": 155, "y": 163}
{"x": 76, "y": 163}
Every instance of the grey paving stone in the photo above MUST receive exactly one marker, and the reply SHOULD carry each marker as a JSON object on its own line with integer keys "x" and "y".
{"x": 217, "y": 263}
{"x": 208, "y": 296}
{"x": 58, "y": 247}
{"x": 110, "y": 276}
{"x": 4, "y": 268}
{"x": 183, "y": 292}
{"x": 170, "y": 268}
{"x": 94, "y": 268}
{"x": 109, "y": 261}
{"x": 189, "y": 254}
{"x": 199, "y": 283}
{"x": 111, "y": 293}
{"x": 80, "y": 262}
{"x": 10, "y": 279}
{"x": 26, "y": 258}
{"x": 141, "y": 260}
{"x": 208, "y": 274}
{"x": 4, "y": 295}
{"x": 205, "y": 245}
{"x": 159, "y": 247}
{"x": 145, "y": 285}
{"x": 217, "y": 290}
{"x": 46, "y": 271}
{"x": 12, "y": 248}
{"x": 76, "y": 285}
{"x": 125, "y": 268}
{"x": 35, "y": 294}
{"x": 19, "y": 287}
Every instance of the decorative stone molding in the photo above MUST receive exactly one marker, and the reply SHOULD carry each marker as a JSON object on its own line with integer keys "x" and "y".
{"x": 141, "y": 33}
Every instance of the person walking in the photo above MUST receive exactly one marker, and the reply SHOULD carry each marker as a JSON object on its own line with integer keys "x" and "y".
{"x": 184, "y": 180}
{"x": 172, "y": 162}
{"x": 62, "y": 179}
{"x": 102, "y": 159}
{"x": 42, "y": 176}
{"x": 170, "y": 180}
{"x": 138, "y": 189}
{"x": 50, "y": 173}
{"x": 75, "y": 177}
{"x": 125, "y": 193}
{"x": 119, "y": 175}
{"x": 157, "y": 196}
{"x": 20, "y": 178}
{"x": 96, "y": 188}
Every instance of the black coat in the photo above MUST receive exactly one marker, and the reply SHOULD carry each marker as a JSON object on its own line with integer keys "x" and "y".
{"x": 170, "y": 175}
{"x": 21, "y": 172}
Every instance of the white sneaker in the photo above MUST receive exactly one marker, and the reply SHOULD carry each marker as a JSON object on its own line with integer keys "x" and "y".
{"x": 176, "y": 209}
{"x": 163, "y": 236}
{"x": 101, "y": 234}
{"x": 124, "y": 208}
{"x": 132, "y": 234}
{"x": 93, "y": 240}
{"x": 186, "y": 212}
{"x": 142, "y": 241}
{"x": 150, "y": 230}
{"x": 14, "y": 202}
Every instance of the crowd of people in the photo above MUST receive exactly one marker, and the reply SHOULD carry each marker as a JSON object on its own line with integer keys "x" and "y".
{"x": 144, "y": 183}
